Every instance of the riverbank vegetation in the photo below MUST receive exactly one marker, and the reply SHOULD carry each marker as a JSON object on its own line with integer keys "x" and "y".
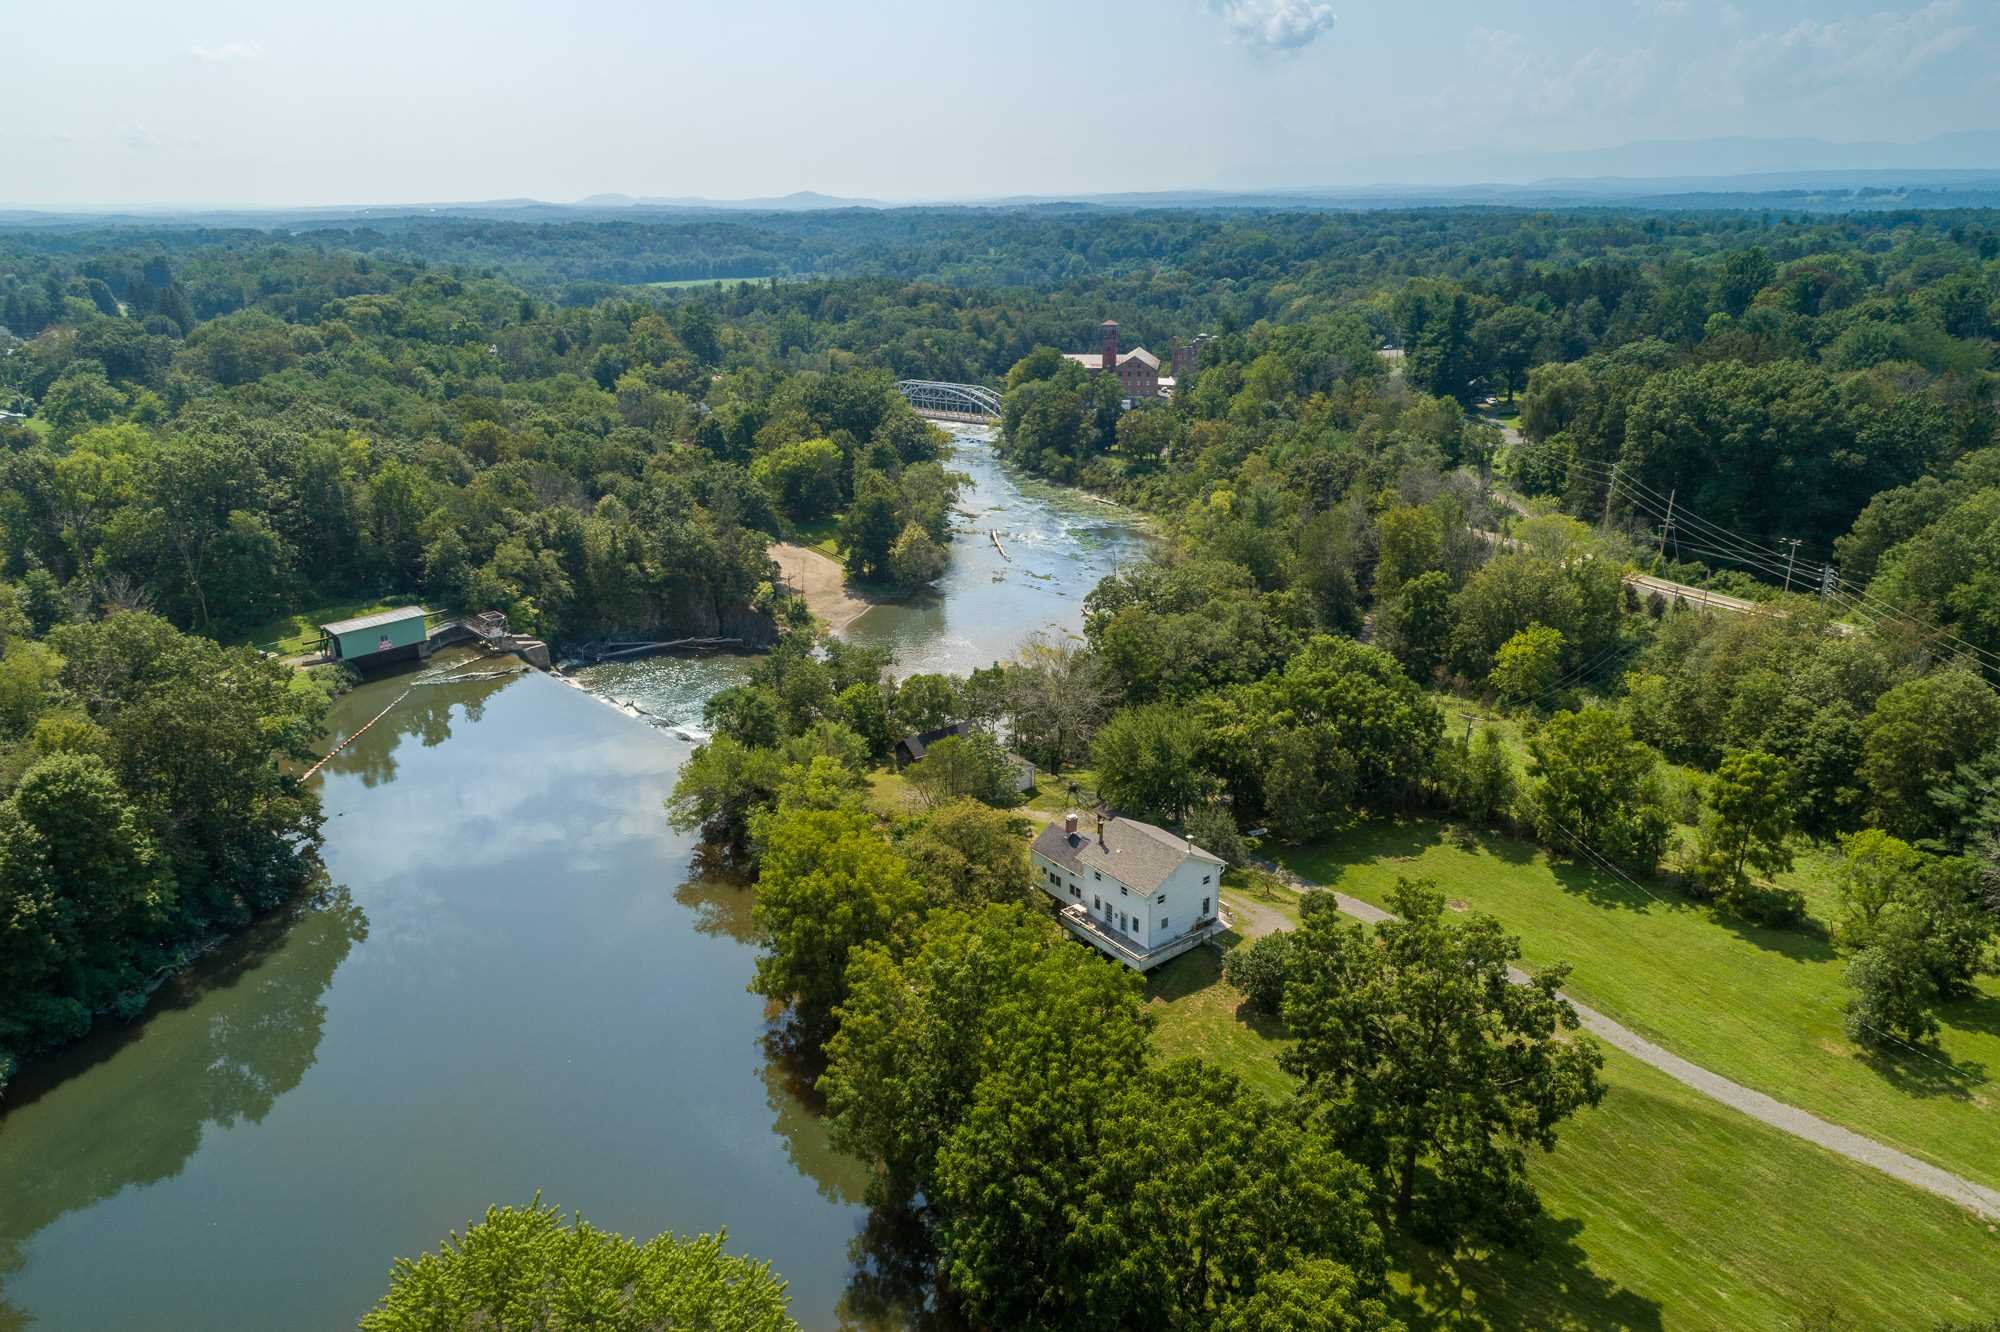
{"x": 144, "y": 813}
{"x": 1355, "y": 559}
{"x": 523, "y": 1267}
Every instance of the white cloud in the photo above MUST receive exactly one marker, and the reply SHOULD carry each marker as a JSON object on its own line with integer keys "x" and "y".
{"x": 1664, "y": 8}
{"x": 1871, "y": 50}
{"x": 229, "y": 53}
{"x": 141, "y": 138}
{"x": 1274, "y": 26}
{"x": 1524, "y": 82}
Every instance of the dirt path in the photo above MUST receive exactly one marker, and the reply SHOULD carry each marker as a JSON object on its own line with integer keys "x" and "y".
{"x": 1251, "y": 920}
{"x": 1976, "y": 1198}
{"x": 822, "y": 582}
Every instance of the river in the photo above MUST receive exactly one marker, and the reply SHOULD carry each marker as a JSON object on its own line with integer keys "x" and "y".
{"x": 511, "y": 981}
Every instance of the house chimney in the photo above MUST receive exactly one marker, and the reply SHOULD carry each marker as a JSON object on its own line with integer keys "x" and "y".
{"x": 1100, "y": 830}
{"x": 1110, "y": 330}
{"x": 1069, "y": 824}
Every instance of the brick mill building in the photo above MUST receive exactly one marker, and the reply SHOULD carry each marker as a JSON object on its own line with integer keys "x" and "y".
{"x": 1138, "y": 370}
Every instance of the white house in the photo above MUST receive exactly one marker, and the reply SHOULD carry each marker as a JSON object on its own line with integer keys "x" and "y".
{"x": 1133, "y": 891}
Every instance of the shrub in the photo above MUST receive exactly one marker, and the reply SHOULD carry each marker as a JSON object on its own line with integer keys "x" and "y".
{"x": 1259, "y": 970}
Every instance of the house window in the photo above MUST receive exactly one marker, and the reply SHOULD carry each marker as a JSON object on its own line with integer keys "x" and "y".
{"x": 1122, "y": 892}
{"x": 1163, "y": 922}
{"x": 1076, "y": 892}
{"x": 1096, "y": 903}
{"x": 1204, "y": 906}
{"x": 1095, "y": 875}
{"x": 1161, "y": 898}
{"x": 1204, "y": 879}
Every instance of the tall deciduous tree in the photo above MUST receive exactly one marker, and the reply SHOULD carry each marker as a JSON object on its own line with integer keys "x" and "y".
{"x": 1527, "y": 666}
{"x": 828, "y": 884}
{"x": 1749, "y": 819}
{"x": 1914, "y": 741}
{"x": 1056, "y": 696}
{"x": 1595, "y": 785}
{"x": 916, "y": 1036}
{"x": 969, "y": 853}
{"x": 1148, "y": 761}
{"x": 1428, "y": 1065}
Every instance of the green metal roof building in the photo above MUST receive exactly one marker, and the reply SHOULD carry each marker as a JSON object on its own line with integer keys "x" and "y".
{"x": 390, "y": 635}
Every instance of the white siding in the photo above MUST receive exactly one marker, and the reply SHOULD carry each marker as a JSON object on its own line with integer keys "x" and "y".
{"x": 1107, "y": 900}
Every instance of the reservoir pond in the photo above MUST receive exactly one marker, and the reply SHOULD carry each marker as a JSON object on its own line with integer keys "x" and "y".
{"x": 511, "y": 979}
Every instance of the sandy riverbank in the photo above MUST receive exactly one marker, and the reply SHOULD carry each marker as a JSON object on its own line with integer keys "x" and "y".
{"x": 823, "y": 583}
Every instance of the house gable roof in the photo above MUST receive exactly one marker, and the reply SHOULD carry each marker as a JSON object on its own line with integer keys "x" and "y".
{"x": 922, "y": 740}
{"x": 1138, "y": 855}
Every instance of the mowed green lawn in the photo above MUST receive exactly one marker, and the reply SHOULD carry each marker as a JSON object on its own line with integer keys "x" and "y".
{"x": 1664, "y": 1211}
{"x": 299, "y": 631}
{"x": 1760, "y": 1006}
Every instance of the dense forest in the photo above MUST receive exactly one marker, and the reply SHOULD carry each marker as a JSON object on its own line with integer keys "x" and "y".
{"x": 1410, "y": 479}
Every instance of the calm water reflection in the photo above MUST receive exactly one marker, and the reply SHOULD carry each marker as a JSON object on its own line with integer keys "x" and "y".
{"x": 527, "y": 1007}
{"x": 514, "y": 979}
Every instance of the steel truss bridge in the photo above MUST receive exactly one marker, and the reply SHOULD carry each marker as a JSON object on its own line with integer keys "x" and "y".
{"x": 954, "y": 402}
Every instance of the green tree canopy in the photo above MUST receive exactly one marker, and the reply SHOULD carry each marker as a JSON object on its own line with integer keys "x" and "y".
{"x": 828, "y": 883}
{"x": 1595, "y": 787}
{"x": 524, "y": 1267}
{"x": 1148, "y": 761}
{"x": 1429, "y": 1066}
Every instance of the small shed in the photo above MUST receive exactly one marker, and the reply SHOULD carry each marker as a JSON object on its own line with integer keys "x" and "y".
{"x": 369, "y": 640}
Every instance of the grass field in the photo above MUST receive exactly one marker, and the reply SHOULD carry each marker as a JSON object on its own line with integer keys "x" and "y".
{"x": 299, "y": 631}
{"x": 1664, "y": 1211}
{"x": 821, "y": 535}
{"x": 1761, "y": 1006}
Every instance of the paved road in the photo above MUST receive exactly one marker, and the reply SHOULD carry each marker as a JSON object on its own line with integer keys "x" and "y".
{"x": 1680, "y": 592}
{"x": 1790, "y": 1119}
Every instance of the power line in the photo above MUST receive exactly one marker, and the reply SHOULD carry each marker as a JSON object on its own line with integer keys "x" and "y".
{"x": 1599, "y": 859}
{"x": 1723, "y": 543}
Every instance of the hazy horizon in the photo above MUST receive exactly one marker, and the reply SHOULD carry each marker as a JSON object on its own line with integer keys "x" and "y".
{"x": 223, "y": 104}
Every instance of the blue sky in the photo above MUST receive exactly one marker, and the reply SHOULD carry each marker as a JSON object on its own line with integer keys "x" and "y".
{"x": 396, "y": 101}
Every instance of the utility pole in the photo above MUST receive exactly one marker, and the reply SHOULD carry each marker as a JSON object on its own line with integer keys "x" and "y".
{"x": 1790, "y": 555}
{"x": 1667, "y": 526}
{"x": 1827, "y": 580}
{"x": 1609, "y": 491}
{"x": 1470, "y": 718}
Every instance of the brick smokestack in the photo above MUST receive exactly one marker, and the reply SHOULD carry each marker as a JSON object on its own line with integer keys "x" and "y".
{"x": 1110, "y": 330}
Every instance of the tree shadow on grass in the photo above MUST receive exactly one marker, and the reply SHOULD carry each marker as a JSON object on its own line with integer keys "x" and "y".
{"x": 1190, "y": 973}
{"x": 1503, "y": 1289}
{"x": 1978, "y": 1013}
{"x": 1368, "y": 842}
{"x": 1806, "y": 941}
{"x": 1925, "y": 1071}
{"x": 1601, "y": 888}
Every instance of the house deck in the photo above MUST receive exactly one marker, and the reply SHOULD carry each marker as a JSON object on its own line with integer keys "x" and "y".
{"x": 1130, "y": 951}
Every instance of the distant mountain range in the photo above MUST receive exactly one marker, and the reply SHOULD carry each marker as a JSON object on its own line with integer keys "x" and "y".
{"x": 1668, "y": 164}
{"x": 1948, "y": 170}
{"x": 799, "y": 201}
